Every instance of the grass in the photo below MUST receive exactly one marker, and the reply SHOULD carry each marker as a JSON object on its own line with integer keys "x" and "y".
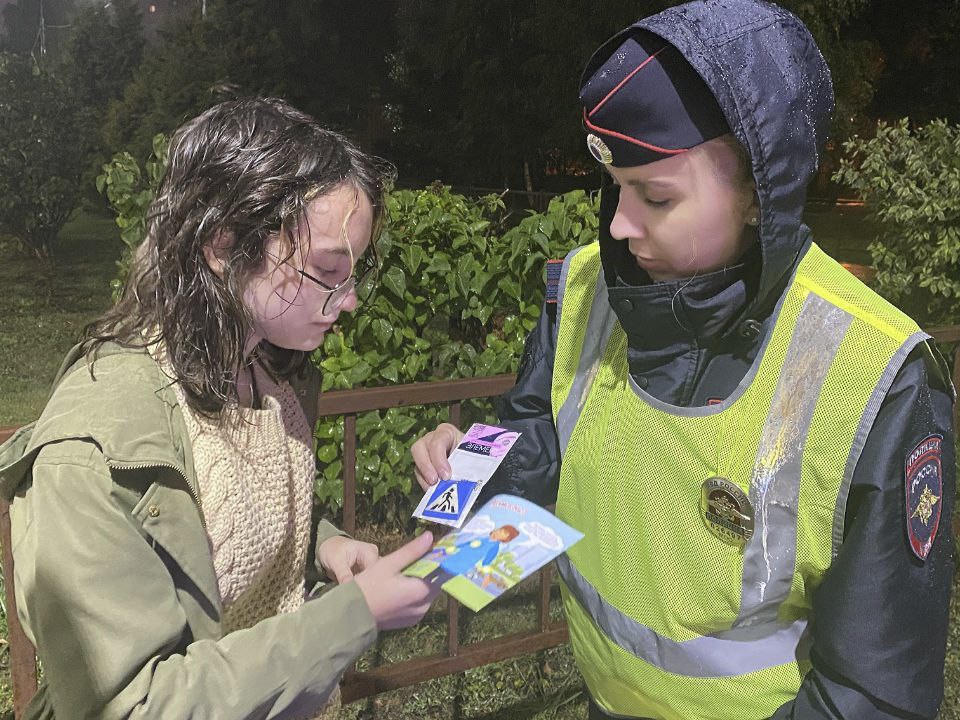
{"x": 42, "y": 310}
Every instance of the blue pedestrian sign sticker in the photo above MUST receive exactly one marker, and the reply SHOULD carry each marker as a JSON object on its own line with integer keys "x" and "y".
{"x": 449, "y": 500}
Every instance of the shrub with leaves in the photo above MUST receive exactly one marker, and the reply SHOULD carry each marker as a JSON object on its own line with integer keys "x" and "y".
{"x": 41, "y": 154}
{"x": 457, "y": 294}
{"x": 130, "y": 190}
{"x": 910, "y": 180}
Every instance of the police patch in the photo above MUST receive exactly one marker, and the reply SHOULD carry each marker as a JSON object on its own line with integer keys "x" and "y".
{"x": 923, "y": 475}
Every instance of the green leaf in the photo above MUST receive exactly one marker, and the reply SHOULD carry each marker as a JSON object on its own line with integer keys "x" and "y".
{"x": 395, "y": 281}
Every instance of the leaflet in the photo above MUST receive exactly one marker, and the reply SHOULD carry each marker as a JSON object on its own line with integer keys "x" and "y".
{"x": 508, "y": 539}
{"x": 472, "y": 464}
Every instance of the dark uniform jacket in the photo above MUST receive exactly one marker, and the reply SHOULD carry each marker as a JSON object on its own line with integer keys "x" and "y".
{"x": 879, "y": 618}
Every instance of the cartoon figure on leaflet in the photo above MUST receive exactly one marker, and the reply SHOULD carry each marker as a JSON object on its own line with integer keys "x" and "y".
{"x": 470, "y": 555}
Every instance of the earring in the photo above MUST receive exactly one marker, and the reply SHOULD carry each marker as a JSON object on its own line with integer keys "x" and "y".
{"x": 754, "y": 220}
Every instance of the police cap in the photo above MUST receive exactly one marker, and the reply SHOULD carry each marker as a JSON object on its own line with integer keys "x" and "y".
{"x": 642, "y": 102}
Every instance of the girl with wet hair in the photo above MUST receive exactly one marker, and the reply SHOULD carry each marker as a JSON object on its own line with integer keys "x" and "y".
{"x": 758, "y": 448}
{"x": 166, "y": 556}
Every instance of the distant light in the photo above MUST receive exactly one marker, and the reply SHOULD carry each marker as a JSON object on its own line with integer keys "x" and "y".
{"x": 153, "y": 8}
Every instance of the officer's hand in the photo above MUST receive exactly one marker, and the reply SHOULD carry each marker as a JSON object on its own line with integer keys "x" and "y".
{"x": 430, "y": 454}
{"x": 341, "y": 556}
{"x": 395, "y": 600}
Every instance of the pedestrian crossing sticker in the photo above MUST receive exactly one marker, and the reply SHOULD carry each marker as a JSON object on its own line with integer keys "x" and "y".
{"x": 472, "y": 464}
{"x": 449, "y": 500}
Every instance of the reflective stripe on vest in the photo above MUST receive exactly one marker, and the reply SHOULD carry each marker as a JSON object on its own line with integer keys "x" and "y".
{"x": 733, "y": 652}
{"x": 767, "y": 626}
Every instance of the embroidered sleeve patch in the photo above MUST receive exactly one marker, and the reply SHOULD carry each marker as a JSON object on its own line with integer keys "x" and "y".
{"x": 924, "y": 486}
{"x": 554, "y": 268}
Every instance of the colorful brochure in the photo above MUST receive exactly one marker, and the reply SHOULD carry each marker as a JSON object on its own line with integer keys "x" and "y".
{"x": 472, "y": 464}
{"x": 505, "y": 541}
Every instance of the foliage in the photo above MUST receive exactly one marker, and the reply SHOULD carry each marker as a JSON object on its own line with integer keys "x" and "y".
{"x": 175, "y": 81}
{"x": 104, "y": 47}
{"x": 910, "y": 181}
{"x": 130, "y": 191}
{"x": 40, "y": 155}
{"x": 495, "y": 64}
{"x": 457, "y": 294}
{"x": 919, "y": 59}
{"x": 26, "y": 34}
{"x": 308, "y": 53}
{"x": 517, "y": 66}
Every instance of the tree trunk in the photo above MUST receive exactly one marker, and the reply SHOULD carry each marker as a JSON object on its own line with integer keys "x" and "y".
{"x": 527, "y": 182}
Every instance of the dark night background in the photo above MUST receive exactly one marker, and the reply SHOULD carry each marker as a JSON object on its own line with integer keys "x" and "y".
{"x": 471, "y": 92}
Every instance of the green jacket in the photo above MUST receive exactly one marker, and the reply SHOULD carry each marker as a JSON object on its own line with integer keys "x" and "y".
{"x": 114, "y": 577}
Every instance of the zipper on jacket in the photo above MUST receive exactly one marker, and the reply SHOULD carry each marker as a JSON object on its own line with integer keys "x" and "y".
{"x": 143, "y": 466}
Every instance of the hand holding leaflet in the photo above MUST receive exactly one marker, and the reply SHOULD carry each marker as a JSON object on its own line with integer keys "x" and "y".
{"x": 472, "y": 464}
{"x": 508, "y": 539}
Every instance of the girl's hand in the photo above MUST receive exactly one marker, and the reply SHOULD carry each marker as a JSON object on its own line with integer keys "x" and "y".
{"x": 342, "y": 557}
{"x": 430, "y": 454}
{"x": 395, "y": 600}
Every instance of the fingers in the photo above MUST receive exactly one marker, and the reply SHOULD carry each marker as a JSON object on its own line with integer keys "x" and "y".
{"x": 425, "y": 473}
{"x": 430, "y": 454}
{"x": 341, "y": 570}
{"x": 367, "y": 555}
{"x": 342, "y": 557}
{"x": 409, "y": 553}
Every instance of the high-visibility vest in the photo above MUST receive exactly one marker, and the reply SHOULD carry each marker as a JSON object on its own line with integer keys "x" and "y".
{"x": 675, "y": 610}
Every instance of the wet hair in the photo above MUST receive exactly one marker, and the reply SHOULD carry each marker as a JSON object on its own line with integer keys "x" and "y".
{"x": 245, "y": 170}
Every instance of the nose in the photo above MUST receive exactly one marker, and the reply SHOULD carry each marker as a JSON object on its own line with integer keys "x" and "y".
{"x": 350, "y": 301}
{"x": 343, "y": 303}
{"x": 627, "y": 220}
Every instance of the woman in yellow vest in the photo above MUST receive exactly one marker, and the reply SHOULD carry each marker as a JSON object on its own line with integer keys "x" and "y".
{"x": 758, "y": 447}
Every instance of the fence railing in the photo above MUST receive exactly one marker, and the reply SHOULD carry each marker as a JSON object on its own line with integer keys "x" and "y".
{"x": 456, "y": 657}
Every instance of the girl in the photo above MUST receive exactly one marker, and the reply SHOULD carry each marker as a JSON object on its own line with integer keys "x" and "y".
{"x": 161, "y": 506}
{"x": 758, "y": 448}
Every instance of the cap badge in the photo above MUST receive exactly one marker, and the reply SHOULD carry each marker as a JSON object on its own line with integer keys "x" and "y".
{"x": 726, "y": 511}
{"x": 598, "y": 148}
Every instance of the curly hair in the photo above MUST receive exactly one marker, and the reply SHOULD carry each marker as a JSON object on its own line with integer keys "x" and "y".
{"x": 249, "y": 168}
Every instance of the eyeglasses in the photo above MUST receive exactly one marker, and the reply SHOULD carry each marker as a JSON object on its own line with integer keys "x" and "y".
{"x": 362, "y": 280}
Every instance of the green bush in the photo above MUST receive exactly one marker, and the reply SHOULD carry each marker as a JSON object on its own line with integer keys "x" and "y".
{"x": 41, "y": 155}
{"x": 130, "y": 191}
{"x": 910, "y": 180}
{"x": 458, "y": 292}
{"x": 457, "y": 296}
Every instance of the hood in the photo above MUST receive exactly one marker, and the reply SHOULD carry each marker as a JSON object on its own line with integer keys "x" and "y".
{"x": 774, "y": 89}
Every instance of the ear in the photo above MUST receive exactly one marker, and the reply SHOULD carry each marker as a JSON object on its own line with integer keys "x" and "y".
{"x": 217, "y": 249}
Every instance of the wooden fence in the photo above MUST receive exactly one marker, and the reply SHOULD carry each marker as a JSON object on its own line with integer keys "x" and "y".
{"x": 456, "y": 658}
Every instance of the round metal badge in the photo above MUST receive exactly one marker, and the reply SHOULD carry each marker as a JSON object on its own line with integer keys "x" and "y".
{"x": 726, "y": 511}
{"x": 598, "y": 148}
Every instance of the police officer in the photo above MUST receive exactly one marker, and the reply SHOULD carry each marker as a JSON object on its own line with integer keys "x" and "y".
{"x": 757, "y": 447}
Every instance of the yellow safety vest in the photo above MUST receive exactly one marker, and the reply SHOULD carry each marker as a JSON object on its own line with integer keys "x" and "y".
{"x": 668, "y": 619}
